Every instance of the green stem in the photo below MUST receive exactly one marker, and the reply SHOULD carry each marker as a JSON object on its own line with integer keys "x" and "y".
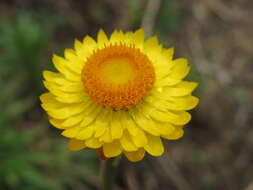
{"x": 108, "y": 172}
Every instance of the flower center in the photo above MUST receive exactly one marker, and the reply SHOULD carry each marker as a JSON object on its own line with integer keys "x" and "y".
{"x": 117, "y": 70}
{"x": 118, "y": 76}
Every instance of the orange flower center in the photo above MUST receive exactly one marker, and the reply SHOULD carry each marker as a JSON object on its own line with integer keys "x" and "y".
{"x": 118, "y": 76}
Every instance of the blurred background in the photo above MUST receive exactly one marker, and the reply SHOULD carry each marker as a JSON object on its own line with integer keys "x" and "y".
{"x": 216, "y": 152}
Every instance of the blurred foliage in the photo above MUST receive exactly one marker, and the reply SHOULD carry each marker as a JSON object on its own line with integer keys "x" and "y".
{"x": 22, "y": 43}
{"x": 30, "y": 157}
{"x": 169, "y": 16}
{"x": 135, "y": 12}
{"x": 26, "y": 165}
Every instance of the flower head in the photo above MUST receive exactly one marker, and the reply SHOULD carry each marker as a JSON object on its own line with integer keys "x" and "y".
{"x": 119, "y": 95}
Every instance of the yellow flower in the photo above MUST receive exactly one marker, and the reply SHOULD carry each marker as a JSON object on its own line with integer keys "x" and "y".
{"x": 119, "y": 95}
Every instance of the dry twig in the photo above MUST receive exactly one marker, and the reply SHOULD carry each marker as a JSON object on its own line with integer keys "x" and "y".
{"x": 150, "y": 14}
{"x": 172, "y": 172}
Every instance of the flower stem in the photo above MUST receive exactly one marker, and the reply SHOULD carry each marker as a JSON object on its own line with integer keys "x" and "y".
{"x": 108, "y": 172}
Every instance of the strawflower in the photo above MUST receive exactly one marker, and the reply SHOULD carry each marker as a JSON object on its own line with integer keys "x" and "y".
{"x": 117, "y": 95}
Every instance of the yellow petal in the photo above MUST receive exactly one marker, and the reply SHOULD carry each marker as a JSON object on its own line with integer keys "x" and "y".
{"x": 57, "y": 78}
{"x": 127, "y": 143}
{"x": 151, "y": 46}
{"x": 135, "y": 156}
{"x": 178, "y": 72}
{"x": 128, "y": 38}
{"x": 117, "y": 37}
{"x": 183, "y": 103}
{"x": 181, "y": 89}
{"x": 89, "y": 43}
{"x": 137, "y": 135}
{"x": 66, "y": 65}
{"x": 49, "y": 102}
{"x": 180, "y": 69}
{"x": 174, "y": 117}
{"x": 129, "y": 123}
{"x": 162, "y": 61}
{"x": 87, "y": 120}
{"x": 76, "y": 145}
{"x": 177, "y": 118}
{"x": 102, "y": 122}
{"x": 61, "y": 66}
{"x": 151, "y": 42}
{"x": 85, "y": 49}
{"x": 65, "y": 97}
{"x": 154, "y": 146}
{"x": 72, "y": 88}
{"x": 102, "y": 39}
{"x": 74, "y": 120}
{"x": 67, "y": 111}
{"x": 56, "y": 123}
{"x": 112, "y": 149}
{"x": 167, "y": 81}
{"x": 100, "y": 129}
{"x": 68, "y": 53}
{"x": 70, "y": 97}
{"x": 85, "y": 133}
{"x": 78, "y": 45}
{"x": 177, "y": 133}
{"x": 116, "y": 127}
{"x": 144, "y": 123}
{"x": 90, "y": 115}
{"x": 166, "y": 128}
{"x": 93, "y": 143}
{"x": 168, "y": 53}
{"x": 106, "y": 137}
{"x": 138, "y": 38}
{"x": 71, "y": 132}
{"x": 140, "y": 140}
{"x": 164, "y": 69}
{"x": 74, "y": 61}
{"x": 172, "y": 103}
